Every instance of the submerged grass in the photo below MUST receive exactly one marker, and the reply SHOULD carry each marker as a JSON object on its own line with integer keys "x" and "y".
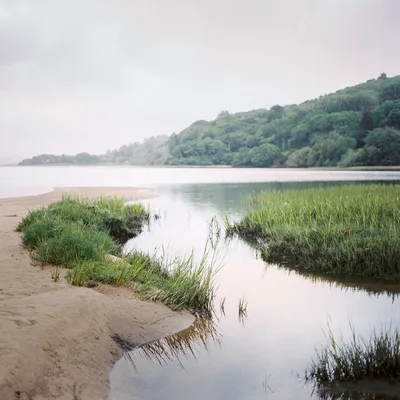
{"x": 376, "y": 358}
{"x": 343, "y": 230}
{"x": 86, "y": 236}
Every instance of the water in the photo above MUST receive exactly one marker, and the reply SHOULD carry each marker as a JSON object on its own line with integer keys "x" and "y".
{"x": 20, "y": 181}
{"x": 254, "y": 357}
{"x": 260, "y": 355}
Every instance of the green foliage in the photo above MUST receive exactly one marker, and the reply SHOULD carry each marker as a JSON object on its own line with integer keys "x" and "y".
{"x": 349, "y": 230}
{"x": 327, "y": 127}
{"x": 382, "y": 147}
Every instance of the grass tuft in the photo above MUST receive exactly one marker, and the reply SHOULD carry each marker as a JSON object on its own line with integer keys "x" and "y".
{"x": 375, "y": 358}
{"x": 343, "y": 230}
{"x": 55, "y": 274}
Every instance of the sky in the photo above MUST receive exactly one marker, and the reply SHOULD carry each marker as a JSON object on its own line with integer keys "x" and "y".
{"x": 91, "y": 75}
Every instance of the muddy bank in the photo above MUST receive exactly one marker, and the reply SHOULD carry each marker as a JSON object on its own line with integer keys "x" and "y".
{"x": 58, "y": 341}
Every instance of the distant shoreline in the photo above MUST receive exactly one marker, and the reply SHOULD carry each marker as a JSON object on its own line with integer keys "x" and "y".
{"x": 117, "y": 165}
{"x": 360, "y": 168}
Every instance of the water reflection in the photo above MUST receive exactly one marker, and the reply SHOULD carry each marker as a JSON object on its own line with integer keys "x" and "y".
{"x": 370, "y": 286}
{"x": 351, "y": 395}
{"x": 185, "y": 344}
{"x": 350, "y": 283}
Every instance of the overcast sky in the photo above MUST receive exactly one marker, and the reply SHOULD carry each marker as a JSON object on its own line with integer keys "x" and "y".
{"x": 89, "y": 75}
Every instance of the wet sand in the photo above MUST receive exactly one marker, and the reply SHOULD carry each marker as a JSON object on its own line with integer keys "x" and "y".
{"x": 59, "y": 341}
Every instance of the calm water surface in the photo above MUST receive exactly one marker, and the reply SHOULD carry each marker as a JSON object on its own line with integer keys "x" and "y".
{"x": 258, "y": 356}
{"x": 255, "y": 357}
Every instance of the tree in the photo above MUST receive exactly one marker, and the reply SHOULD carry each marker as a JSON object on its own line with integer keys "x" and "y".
{"x": 382, "y": 147}
{"x": 329, "y": 149}
{"x": 265, "y": 155}
{"x": 300, "y": 158}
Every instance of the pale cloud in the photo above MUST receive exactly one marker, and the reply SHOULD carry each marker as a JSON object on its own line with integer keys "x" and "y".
{"x": 94, "y": 74}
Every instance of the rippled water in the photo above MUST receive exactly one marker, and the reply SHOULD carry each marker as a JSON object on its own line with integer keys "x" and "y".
{"x": 260, "y": 355}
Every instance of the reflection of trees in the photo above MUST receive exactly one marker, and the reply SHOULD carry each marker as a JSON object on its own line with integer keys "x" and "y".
{"x": 173, "y": 348}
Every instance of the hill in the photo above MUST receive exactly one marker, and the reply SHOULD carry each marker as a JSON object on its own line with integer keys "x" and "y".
{"x": 359, "y": 125}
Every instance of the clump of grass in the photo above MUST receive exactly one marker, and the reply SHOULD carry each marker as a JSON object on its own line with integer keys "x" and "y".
{"x": 375, "y": 358}
{"x": 107, "y": 214}
{"x": 178, "y": 282}
{"x": 342, "y": 230}
{"x": 80, "y": 229}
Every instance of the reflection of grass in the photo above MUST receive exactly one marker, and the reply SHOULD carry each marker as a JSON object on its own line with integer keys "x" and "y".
{"x": 375, "y": 358}
{"x": 345, "y": 230}
{"x": 372, "y": 288}
{"x": 354, "y": 395}
{"x": 183, "y": 344}
{"x": 242, "y": 307}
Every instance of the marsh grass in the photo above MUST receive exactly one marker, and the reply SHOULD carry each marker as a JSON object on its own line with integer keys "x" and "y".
{"x": 105, "y": 214}
{"x": 344, "y": 230}
{"x": 177, "y": 282}
{"x": 86, "y": 237}
{"x": 375, "y": 358}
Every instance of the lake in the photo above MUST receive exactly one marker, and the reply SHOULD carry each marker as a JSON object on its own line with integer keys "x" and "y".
{"x": 256, "y": 356}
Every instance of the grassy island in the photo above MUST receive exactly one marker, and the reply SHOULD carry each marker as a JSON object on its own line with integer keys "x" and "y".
{"x": 344, "y": 230}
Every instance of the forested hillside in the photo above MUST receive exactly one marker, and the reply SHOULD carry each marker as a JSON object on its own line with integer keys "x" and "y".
{"x": 359, "y": 125}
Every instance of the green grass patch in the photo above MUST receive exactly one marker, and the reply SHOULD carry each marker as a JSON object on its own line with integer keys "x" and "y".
{"x": 343, "y": 230}
{"x": 358, "y": 359}
{"x": 81, "y": 234}
{"x": 177, "y": 282}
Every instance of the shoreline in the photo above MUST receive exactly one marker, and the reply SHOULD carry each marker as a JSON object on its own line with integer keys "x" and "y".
{"x": 59, "y": 341}
{"x": 333, "y": 168}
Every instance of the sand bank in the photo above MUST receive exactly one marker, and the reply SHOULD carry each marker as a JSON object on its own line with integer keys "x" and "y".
{"x": 58, "y": 341}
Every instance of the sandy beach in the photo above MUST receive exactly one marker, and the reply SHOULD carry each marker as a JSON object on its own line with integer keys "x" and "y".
{"x": 59, "y": 341}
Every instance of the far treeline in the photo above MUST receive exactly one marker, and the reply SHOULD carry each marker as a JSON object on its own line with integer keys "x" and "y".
{"x": 356, "y": 126}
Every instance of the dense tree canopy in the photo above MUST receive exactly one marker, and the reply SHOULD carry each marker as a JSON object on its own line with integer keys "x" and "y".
{"x": 359, "y": 125}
